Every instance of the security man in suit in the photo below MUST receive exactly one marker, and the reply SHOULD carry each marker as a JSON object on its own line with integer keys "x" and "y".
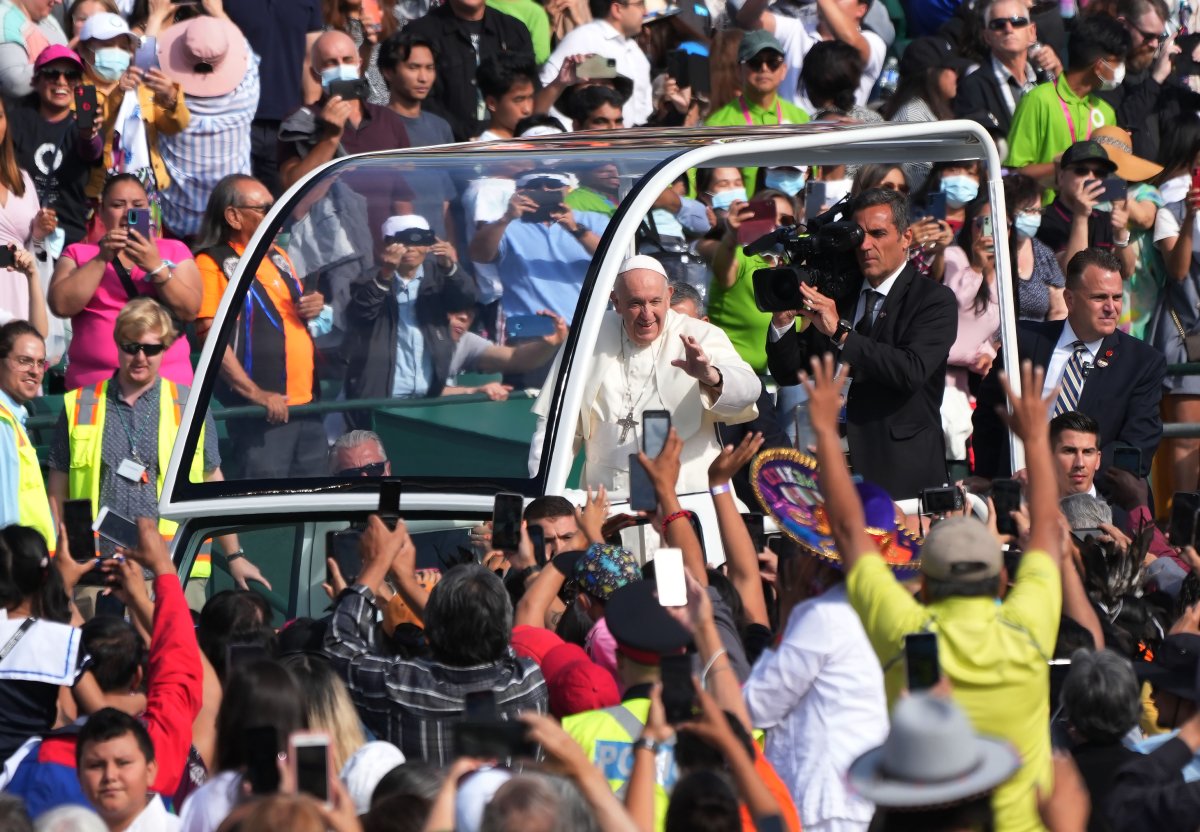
{"x": 895, "y": 334}
{"x": 1103, "y": 372}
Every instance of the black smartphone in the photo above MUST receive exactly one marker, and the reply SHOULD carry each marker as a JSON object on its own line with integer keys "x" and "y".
{"x": 537, "y": 538}
{"x": 529, "y": 326}
{"x": 921, "y": 661}
{"x": 942, "y": 500}
{"x": 138, "y": 219}
{"x": 493, "y": 739}
{"x": 120, "y": 530}
{"x": 935, "y": 206}
{"x": 1184, "y": 506}
{"x": 678, "y": 68}
{"x": 656, "y": 424}
{"x": 754, "y": 525}
{"x": 238, "y": 654}
{"x": 356, "y": 90}
{"x": 8, "y": 256}
{"x": 678, "y": 689}
{"x": 814, "y": 198}
{"x": 506, "y": 521}
{"x": 1115, "y": 189}
{"x": 699, "y": 75}
{"x": 1006, "y": 497}
{"x": 77, "y": 517}
{"x": 1128, "y": 458}
{"x": 479, "y": 704}
{"x": 389, "y": 501}
{"x": 262, "y": 753}
{"x": 343, "y": 548}
{"x": 86, "y": 107}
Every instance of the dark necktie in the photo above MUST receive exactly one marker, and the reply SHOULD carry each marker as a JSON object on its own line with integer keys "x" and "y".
{"x": 871, "y": 300}
{"x": 1073, "y": 377}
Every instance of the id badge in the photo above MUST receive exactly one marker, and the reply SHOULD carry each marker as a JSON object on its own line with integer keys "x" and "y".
{"x": 132, "y": 471}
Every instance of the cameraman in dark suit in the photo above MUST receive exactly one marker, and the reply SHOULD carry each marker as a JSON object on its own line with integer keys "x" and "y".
{"x": 895, "y": 334}
{"x": 1112, "y": 377}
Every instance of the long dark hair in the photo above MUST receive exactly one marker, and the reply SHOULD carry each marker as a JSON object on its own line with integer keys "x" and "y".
{"x": 213, "y": 228}
{"x": 1179, "y": 147}
{"x": 259, "y": 694}
{"x": 10, "y": 171}
{"x": 922, "y": 85}
{"x": 986, "y": 293}
{"x": 26, "y": 573}
{"x": 1018, "y": 190}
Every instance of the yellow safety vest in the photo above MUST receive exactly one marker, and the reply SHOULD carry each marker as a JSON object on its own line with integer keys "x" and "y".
{"x": 33, "y": 507}
{"x": 606, "y": 737}
{"x": 86, "y": 409}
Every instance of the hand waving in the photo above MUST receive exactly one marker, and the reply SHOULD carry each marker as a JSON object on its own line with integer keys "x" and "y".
{"x": 731, "y": 459}
{"x": 696, "y": 363}
{"x": 824, "y": 392}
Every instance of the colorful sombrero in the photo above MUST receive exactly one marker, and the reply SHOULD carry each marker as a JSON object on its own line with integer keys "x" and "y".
{"x": 786, "y": 484}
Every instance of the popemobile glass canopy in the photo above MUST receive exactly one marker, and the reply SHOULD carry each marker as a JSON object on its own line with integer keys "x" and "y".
{"x": 486, "y": 282}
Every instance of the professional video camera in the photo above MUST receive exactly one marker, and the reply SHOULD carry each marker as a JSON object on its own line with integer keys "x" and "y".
{"x": 819, "y": 254}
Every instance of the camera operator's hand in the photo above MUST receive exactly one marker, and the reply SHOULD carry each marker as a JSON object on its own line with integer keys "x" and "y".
{"x": 783, "y": 320}
{"x": 821, "y": 311}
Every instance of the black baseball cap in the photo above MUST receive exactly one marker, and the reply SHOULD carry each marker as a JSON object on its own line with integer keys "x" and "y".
{"x": 1087, "y": 151}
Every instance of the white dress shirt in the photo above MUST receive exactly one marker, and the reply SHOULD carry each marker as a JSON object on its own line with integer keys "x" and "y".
{"x": 600, "y": 38}
{"x": 820, "y": 698}
{"x": 798, "y": 35}
{"x": 1062, "y": 354}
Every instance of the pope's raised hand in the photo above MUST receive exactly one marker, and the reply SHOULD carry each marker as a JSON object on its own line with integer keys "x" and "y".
{"x": 696, "y": 363}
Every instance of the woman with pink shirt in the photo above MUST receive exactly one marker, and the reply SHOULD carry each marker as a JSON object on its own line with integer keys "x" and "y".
{"x": 970, "y": 273}
{"x": 91, "y": 283}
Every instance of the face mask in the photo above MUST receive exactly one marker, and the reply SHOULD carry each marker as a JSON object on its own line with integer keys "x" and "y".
{"x": 1118, "y": 77}
{"x": 721, "y": 201}
{"x": 111, "y": 62}
{"x": 959, "y": 190}
{"x": 1027, "y": 225}
{"x": 788, "y": 181}
{"x": 836, "y": 190}
{"x": 341, "y": 72}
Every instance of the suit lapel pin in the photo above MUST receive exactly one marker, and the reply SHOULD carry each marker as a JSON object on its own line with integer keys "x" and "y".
{"x": 1101, "y": 363}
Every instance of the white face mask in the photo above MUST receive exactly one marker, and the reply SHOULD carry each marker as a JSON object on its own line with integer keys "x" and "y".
{"x": 836, "y": 189}
{"x": 1118, "y": 77}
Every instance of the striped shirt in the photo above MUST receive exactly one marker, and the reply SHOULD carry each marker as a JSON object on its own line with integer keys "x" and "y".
{"x": 215, "y": 144}
{"x": 415, "y": 703}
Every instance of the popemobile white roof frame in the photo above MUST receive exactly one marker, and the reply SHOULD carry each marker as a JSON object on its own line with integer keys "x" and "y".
{"x": 813, "y": 144}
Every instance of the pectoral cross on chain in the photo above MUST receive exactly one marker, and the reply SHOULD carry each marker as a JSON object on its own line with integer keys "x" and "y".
{"x": 627, "y": 424}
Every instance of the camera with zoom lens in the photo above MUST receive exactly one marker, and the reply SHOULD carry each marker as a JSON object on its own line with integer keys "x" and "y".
{"x": 820, "y": 255}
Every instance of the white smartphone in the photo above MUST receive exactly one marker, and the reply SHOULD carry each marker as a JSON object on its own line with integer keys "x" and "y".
{"x": 112, "y": 526}
{"x": 310, "y": 759}
{"x": 668, "y": 575}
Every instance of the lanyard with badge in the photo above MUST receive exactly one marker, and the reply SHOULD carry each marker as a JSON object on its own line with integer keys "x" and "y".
{"x": 1096, "y": 118}
{"x": 750, "y": 120}
{"x": 131, "y": 467}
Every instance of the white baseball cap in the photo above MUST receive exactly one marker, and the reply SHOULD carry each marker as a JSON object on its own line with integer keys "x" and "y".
{"x": 403, "y": 222}
{"x": 104, "y": 26}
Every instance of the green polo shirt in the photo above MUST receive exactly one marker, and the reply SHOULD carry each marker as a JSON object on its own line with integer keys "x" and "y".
{"x": 585, "y": 199}
{"x": 733, "y": 115}
{"x": 1041, "y": 128}
{"x": 733, "y": 309}
{"x": 534, "y": 17}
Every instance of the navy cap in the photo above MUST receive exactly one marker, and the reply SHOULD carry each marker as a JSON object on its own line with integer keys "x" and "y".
{"x": 643, "y": 630}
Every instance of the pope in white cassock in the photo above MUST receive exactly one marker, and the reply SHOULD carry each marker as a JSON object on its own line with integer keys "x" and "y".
{"x": 648, "y": 357}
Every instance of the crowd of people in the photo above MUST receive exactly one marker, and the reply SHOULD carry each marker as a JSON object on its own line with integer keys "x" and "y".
{"x": 546, "y": 685}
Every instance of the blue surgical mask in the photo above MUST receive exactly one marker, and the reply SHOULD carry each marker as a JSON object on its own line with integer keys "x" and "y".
{"x": 111, "y": 62}
{"x": 791, "y": 182}
{"x": 722, "y": 200}
{"x": 1027, "y": 225}
{"x": 341, "y": 72}
{"x": 959, "y": 189}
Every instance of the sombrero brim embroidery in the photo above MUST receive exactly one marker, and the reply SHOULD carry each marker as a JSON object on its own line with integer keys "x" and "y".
{"x": 786, "y": 484}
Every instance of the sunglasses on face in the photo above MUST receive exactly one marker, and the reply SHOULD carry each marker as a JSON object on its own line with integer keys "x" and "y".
{"x": 1084, "y": 170}
{"x": 999, "y": 24}
{"x": 1149, "y": 37}
{"x": 55, "y": 74}
{"x": 150, "y": 350}
{"x": 761, "y": 62}
{"x": 371, "y": 469}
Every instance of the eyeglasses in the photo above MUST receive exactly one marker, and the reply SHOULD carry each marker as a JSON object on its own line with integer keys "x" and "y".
{"x": 999, "y": 24}
{"x": 891, "y": 186}
{"x": 24, "y": 362}
{"x": 543, "y": 185}
{"x": 55, "y": 74}
{"x": 1149, "y": 37}
{"x": 263, "y": 209}
{"x": 371, "y": 469}
{"x": 1084, "y": 170}
{"x": 150, "y": 350}
{"x": 1030, "y": 212}
{"x": 761, "y": 61}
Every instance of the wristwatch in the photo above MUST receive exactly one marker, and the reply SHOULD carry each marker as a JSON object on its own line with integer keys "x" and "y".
{"x": 843, "y": 329}
{"x": 578, "y": 232}
{"x": 650, "y": 745}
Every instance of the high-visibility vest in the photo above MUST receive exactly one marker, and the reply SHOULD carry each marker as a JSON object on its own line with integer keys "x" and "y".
{"x": 33, "y": 506}
{"x": 86, "y": 408}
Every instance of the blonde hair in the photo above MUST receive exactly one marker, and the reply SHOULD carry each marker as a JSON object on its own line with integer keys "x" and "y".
{"x": 327, "y": 705}
{"x": 142, "y": 315}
